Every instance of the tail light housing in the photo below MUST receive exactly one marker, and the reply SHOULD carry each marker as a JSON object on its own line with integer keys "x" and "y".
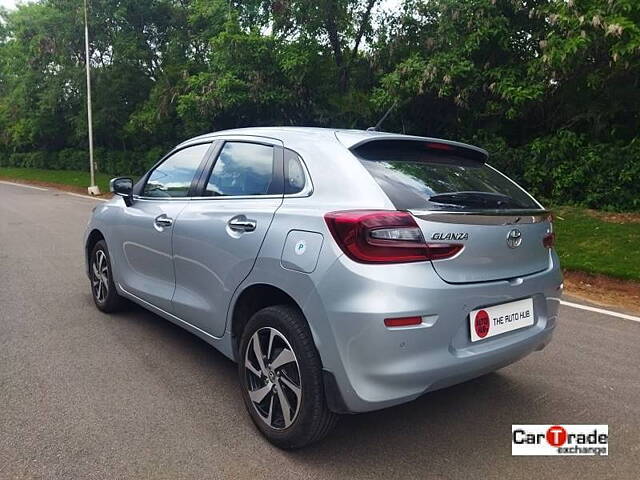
{"x": 383, "y": 236}
{"x": 549, "y": 240}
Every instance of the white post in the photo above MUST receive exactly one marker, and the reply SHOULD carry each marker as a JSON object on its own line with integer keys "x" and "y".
{"x": 93, "y": 188}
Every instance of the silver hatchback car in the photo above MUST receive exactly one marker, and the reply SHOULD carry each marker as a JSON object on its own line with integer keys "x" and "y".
{"x": 344, "y": 271}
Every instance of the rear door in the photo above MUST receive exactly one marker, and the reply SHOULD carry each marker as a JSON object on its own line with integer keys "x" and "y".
{"x": 457, "y": 198}
{"x": 218, "y": 235}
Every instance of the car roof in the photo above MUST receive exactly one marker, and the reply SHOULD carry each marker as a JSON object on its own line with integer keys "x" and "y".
{"x": 284, "y": 134}
{"x": 290, "y": 136}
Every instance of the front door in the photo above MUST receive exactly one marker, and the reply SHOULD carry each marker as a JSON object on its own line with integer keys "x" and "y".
{"x": 218, "y": 236}
{"x": 145, "y": 234}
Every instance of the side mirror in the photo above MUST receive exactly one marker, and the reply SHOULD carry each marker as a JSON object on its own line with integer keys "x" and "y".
{"x": 123, "y": 186}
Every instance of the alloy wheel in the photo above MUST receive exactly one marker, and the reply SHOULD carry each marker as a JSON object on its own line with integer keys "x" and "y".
{"x": 273, "y": 378}
{"x": 100, "y": 276}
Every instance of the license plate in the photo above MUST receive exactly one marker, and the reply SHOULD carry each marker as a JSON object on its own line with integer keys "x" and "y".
{"x": 491, "y": 321}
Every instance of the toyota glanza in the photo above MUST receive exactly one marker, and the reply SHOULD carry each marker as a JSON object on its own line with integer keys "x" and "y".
{"x": 344, "y": 271}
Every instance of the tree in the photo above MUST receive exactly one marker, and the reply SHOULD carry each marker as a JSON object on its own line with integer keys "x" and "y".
{"x": 549, "y": 87}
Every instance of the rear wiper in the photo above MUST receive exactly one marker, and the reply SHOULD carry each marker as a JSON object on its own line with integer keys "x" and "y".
{"x": 476, "y": 199}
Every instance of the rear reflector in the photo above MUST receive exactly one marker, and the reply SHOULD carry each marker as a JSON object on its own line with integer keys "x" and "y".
{"x": 383, "y": 236}
{"x": 402, "y": 321}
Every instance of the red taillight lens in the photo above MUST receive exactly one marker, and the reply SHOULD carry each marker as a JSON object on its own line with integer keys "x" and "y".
{"x": 402, "y": 322}
{"x": 549, "y": 240}
{"x": 381, "y": 236}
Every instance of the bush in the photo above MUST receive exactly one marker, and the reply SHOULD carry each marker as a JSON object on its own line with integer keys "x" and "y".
{"x": 69, "y": 159}
{"x": 113, "y": 162}
{"x": 25, "y": 160}
{"x": 567, "y": 169}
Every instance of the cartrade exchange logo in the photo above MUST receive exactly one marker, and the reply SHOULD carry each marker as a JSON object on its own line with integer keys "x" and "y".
{"x": 559, "y": 440}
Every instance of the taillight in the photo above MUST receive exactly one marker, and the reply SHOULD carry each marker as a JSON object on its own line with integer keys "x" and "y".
{"x": 549, "y": 240}
{"x": 382, "y": 236}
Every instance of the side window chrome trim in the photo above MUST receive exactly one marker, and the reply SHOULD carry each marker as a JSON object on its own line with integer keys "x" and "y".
{"x": 162, "y": 199}
{"x": 272, "y": 142}
{"x": 237, "y": 197}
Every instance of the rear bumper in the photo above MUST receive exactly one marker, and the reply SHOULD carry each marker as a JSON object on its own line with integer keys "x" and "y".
{"x": 375, "y": 367}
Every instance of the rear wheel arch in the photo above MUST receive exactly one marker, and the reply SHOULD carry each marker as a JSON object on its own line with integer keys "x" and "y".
{"x": 252, "y": 299}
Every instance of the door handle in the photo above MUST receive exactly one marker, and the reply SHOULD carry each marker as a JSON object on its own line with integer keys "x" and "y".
{"x": 242, "y": 224}
{"x": 163, "y": 221}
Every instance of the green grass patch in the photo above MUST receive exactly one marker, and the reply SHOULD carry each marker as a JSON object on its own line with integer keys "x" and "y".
{"x": 592, "y": 245}
{"x": 74, "y": 178}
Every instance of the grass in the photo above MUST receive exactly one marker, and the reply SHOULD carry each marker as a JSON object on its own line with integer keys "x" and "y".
{"x": 584, "y": 242}
{"x": 74, "y": 178}
{"x": 589, "y": 244}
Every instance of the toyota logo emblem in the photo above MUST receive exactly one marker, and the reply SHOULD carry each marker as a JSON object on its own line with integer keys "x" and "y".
{"x": 514, "y": 238}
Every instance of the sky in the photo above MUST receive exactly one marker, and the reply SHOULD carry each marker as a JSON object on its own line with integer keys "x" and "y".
{"x": 8, "y": 3}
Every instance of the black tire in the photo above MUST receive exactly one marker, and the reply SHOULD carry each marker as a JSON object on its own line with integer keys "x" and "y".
{"x": 108, "y": 301}
{"x": 312, "y": 420}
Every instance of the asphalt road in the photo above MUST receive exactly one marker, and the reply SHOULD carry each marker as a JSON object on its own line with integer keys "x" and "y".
{"x": 87, "y": 395}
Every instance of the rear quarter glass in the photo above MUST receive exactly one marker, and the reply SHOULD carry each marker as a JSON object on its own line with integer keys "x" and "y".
{"x": 412, "y": 174}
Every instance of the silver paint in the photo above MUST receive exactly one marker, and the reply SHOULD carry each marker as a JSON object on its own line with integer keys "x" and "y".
{"x": 193, "y": 271}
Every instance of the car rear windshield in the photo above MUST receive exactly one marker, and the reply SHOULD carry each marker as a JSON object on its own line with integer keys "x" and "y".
{"x": 432, "y": 176}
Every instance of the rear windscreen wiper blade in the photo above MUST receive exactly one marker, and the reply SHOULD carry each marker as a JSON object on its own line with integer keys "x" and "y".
{"x": 473, "y": 199}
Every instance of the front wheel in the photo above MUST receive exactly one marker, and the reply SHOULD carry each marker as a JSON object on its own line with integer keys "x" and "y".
{"x": 281, "y": 378}
{"x": 103, "y": 287}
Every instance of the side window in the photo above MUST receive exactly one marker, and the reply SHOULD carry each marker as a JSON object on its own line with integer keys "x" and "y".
{"x": 293, "y": 172}
{"x": 242, "y": 169}
{"x": 172, "y": 178}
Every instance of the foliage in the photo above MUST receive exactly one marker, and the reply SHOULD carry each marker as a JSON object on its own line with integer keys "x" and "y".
{"x": 115, "y": 162}
{"x": 549, "y": 87}
{"x": 566, "y": 167}
{"x": 73, "y": 178}
{"x": 590, "y": 244}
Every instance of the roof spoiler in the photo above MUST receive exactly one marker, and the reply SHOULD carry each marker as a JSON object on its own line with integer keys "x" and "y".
{"x": 403, "y": 144}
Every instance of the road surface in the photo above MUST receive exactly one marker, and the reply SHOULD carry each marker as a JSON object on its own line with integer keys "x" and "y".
{"x": 87, "y": 395}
